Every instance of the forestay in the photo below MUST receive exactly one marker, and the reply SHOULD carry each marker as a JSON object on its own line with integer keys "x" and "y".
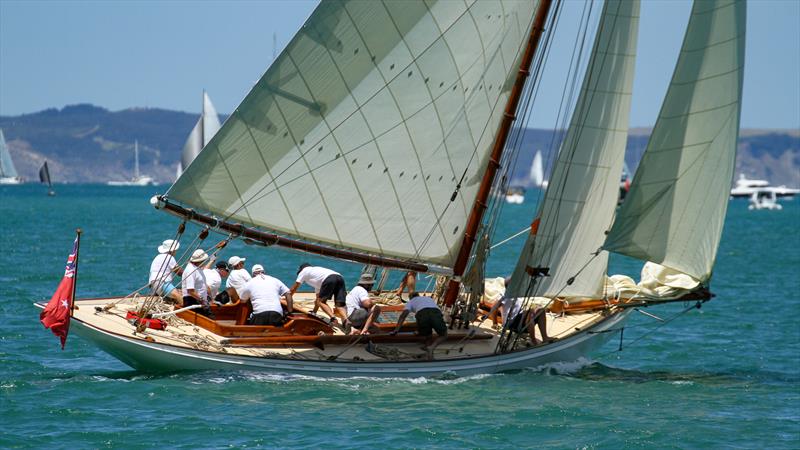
{"x": 205, "y": 128}
{"x": 579, "y": 202}
{"x": 7, "y": 168}
{"x": 674, "y": 212}
{"x": 360, "y": 132}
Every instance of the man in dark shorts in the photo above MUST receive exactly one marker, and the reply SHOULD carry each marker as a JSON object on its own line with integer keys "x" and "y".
{"x": 429, "y": 319}
{"x": 327, "y": 284}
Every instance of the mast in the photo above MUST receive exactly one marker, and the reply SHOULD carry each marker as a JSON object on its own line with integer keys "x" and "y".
{"x": 479, "y": 207}
{"x": 136, "y": 159}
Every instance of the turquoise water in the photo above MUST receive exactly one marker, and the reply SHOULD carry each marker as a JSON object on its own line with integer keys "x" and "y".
{"x": 727, "y": 375}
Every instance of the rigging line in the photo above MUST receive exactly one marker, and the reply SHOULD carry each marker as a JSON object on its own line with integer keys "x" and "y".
{"x": 582, "y": 110}
{"x": 523, "y": 231}
{"x": 655, "y": 328}
{"x": 563, "y": 107}
{"x": 518, "y": 132}
{"x": 571, "y": 146}
{"x": 532, "y": 95}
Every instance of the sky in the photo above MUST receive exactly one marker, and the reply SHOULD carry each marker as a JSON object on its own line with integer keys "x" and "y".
{"x": 163, "y": 54}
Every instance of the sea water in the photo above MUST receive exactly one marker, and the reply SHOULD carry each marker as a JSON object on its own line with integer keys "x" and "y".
{"x": 726, "y": 375}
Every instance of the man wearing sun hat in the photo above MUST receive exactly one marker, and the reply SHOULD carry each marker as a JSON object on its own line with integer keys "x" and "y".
{"x": 195, "y": 291}
{"x": 362, "y": 312}
{"x": 162, "y": 269}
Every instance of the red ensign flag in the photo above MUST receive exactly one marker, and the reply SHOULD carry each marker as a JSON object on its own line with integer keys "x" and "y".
{"x": 57, "y": 313}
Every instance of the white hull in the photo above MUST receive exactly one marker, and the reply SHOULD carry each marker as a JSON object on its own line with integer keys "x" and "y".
{"x": 155, "y": 357}
{"x": 141, "y": 181}
{"x": 10, "y": 180}
{"x": 515, "y": 199}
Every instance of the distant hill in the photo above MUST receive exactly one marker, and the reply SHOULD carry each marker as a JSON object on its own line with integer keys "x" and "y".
{"x": 86, "y": 143}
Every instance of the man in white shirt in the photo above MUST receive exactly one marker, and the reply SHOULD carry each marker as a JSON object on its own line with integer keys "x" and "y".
{"x": 238, "y": 276}
{"x": 326, "y": 284}
{"x": 214, "y": 280}
{"x": 195, "y": 291}
{"x": 429, "y": 318}
{"x": 162, "y": 269}
{"x": 265, "y": 293}
{"x": 361, "y": 310}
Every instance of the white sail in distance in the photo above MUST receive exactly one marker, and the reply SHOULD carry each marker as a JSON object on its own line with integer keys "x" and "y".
{"x": 205, "y": 128}
{"x": 7, "y": 168}
{"x": 366, "y": 124}
{"x": 581, "y": 196}
{"x": 675, "y": 210}
{"x": 537, "y": 170}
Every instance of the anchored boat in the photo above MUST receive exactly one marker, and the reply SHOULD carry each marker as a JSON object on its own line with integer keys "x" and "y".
{"x": 377, "y": 136}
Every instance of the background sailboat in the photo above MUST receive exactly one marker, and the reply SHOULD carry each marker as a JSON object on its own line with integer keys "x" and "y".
{"x": 44, "y": 177}
{"x": 205, "y": 128}
{"x": 138, "y": 179}
{"x": 8, "y": 173}
{"x": 537, "y": 171}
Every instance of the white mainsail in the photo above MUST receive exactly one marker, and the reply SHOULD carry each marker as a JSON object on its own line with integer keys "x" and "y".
{"x": 366, "y": 124}
{"x": 537, "y": 170}
{"x": 205, "y": 128}
{"x": 579, "y": 203}
{"x": 675, "y": 210}
{"x": 7, "y": 169}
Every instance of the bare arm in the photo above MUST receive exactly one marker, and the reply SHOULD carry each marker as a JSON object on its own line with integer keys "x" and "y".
{"x": 289, "y": 302}
{"x": 497, "y": 305}
{"x": 400, "y": 321}
{"x": 294, "y": 288}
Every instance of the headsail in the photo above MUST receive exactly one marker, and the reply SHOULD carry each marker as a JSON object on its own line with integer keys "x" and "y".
{"x": 7, "y": 168}
{"x": 579, "y": 202}
{"x": 675, "y": 210}
{"x": 205, "y": 128}
{"x": 365, "y": 126}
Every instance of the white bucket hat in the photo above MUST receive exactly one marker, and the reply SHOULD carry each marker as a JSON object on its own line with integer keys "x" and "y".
{"x": 168, "y": 246}
{"x": 234, "y": 260}
{"x": 198, "y": 256}
{"x": 257, "y": 268}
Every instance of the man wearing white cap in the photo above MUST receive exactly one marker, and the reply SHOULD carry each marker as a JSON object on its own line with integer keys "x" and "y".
{"x": 265, "y": 293}
{"x": 161, "y": 270}
{"x": 238, "y": 276}
{"x": 193, "y": 282}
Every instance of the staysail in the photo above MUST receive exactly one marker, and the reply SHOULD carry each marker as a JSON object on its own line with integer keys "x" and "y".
{"x": 578, "y": 206}
{"x": 7, "y": 168}
{"x": 205, "y": 128}
{"x": 675, "y": 210}
{"x": 374, "y": 116}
